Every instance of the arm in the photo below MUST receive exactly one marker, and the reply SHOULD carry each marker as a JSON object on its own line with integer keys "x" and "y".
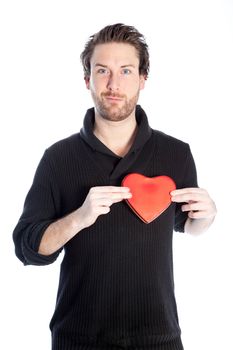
{"x": 200, "y": 207}
{"x": 42, "y": 231}
{"x": 97, "y": 202}
{"x": 41, "y": 208}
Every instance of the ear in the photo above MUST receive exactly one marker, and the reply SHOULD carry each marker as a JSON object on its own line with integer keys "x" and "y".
{"x": 87, "y": 82}
{"x": 142, "y": 81}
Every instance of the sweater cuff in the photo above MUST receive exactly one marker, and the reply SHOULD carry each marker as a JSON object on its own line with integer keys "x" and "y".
{"x": 30, "y": 245}
{"x": 180, "y": 219}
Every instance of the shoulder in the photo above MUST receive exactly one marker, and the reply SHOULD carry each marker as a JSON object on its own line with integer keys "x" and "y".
{"x": 168, "y": 139}
{"x": 176, "y": 158}
{"x": 64, "y": 146}
{"x": 64, "y": 152}
{"x": 171, "y": 148}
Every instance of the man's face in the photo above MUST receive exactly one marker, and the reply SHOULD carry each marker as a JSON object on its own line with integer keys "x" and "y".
{"x": 115, "y": 82}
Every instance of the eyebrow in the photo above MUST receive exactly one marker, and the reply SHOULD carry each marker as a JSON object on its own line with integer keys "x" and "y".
{"x": 105, "y": 66}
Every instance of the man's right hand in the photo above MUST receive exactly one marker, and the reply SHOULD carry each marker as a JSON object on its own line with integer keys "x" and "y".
{"x": 99, "y": 201}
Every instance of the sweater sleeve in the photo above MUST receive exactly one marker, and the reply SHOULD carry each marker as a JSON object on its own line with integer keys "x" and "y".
{"x": 40, "y": 210}
{"x": 189, "y": 180}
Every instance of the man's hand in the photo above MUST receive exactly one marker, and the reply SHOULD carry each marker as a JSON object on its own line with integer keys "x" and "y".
{"x": 199, "y": 205}
{"x": 99, "y": 201}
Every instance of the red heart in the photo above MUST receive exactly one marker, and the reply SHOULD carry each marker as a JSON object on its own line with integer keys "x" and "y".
{"x": 150, "y": 195}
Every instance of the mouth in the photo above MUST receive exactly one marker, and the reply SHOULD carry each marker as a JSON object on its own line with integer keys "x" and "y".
{"x": 113, "y": 98}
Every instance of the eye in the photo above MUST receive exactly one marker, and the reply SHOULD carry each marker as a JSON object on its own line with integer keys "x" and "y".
{"x": 102, "y": 71}
{"x": 126, "y": 71}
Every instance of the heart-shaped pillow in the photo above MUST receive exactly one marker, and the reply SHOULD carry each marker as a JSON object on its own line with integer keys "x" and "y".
{"x": 150, "y": 195}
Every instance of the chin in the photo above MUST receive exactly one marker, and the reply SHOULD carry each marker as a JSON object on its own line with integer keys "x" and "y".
{"x": 114, "y": 114}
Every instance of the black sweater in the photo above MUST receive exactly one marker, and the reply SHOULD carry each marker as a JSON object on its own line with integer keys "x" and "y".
{"x": 116, "y": 285}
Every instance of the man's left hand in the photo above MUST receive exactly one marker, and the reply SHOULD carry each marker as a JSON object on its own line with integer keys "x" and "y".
{"x": 199, "y": 203}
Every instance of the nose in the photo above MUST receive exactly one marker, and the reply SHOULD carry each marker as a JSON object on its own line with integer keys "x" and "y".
{"x": 113, "y": 82}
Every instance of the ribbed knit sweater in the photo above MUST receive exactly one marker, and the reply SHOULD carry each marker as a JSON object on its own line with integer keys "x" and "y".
{"x": 116, "y": 287}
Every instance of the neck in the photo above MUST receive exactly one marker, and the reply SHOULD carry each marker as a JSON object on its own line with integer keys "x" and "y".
{"x": 117, "y": 136}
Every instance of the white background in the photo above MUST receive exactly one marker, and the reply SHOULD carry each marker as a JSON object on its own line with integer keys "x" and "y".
{"x": 188, "y": 95}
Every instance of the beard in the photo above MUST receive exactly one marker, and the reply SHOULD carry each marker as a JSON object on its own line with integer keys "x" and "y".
{"x": 114, "y": 111}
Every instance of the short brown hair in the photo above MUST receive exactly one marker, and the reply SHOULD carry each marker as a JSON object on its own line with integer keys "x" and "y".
{"x": 118, "y": 33}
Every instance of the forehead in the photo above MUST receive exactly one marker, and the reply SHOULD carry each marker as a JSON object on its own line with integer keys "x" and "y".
{"x": 115, "y": 53}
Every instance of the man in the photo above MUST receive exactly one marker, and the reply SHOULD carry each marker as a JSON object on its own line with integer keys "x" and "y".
{"x": 116, "y": 281}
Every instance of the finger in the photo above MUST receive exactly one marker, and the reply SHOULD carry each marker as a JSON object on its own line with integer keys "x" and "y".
{"x": 188, "y": 197}
{"x": 102, "y": 202}
{"x": 98, "y": 198}
{"x": 103, "y": 210}
{"x": 120, "y": 196}
{"x": 194, "y": 206}
{"x": 188, "y": 190}
{"x": 202, "y": 214}
{"x": 120, "y": 199}
{"x": 107, "y": 189}
{"x": 110, "y": 196}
